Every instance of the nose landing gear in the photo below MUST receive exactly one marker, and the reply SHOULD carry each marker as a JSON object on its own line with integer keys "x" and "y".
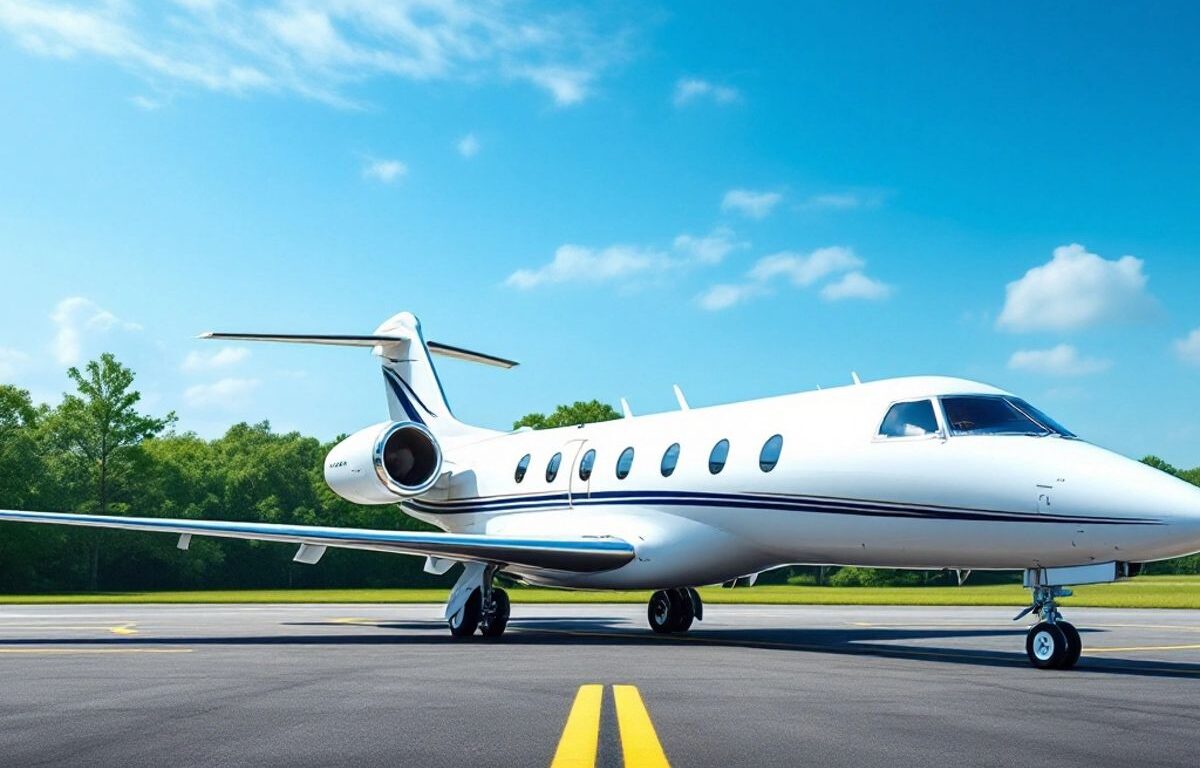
{"x": 1051, "y": 643}
{"x": 673, "y": 610}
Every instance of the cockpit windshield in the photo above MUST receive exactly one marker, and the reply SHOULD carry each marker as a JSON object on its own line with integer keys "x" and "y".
{"x": 996, "y": 415}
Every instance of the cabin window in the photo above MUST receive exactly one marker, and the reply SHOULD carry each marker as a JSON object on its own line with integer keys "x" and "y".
{"x": 522, "y": 466}
{"x": 716, "y": 459}
{"x": 625, "y": 463}
{"x": 986, "y": 415}
{"x": 552, "y": 467}
{"x": 586, "y": 464}
{"x": 670, "y": 459}
{"x": 769, "y": 456}
{"x": 909, "y": 420}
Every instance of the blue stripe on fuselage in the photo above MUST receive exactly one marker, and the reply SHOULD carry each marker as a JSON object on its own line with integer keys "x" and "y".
{"x": 779, "y": 502}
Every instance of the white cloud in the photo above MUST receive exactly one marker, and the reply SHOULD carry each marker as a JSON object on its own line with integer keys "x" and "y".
{"x": 11, "y": 361}
{"x": 322, "y": 48}
{"x": 1063, "y": 360}
{"x": 226, "y": 393}
{"x": 222, "y": 358}
{"x": 856, "y": 285}
{"x": 145, "y": 103}
{"x": 836, "y": 201}
{"x": 468, "y": 146}
{"x": 577, "y": 263}
{"x": 77, "y": 317}
{"x": 1188, "y": 348}
{"x": 711, "y": 248}
{"x": 806, "y": 269}
{"x": 566, "y": 86}
{"x": 690, "y": 89}
{"x": 725, "y": 295}
{"x": 1074, "y": 290}
{"x": 801, "y": 270}
{"x": 751, "y": 204}
{"x": 386, "y": 171}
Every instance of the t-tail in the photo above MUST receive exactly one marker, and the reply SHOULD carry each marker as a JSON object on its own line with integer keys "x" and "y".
{"x": 414, "y": 391}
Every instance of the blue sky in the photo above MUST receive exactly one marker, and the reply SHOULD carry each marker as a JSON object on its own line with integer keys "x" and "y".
{"x": 622, "y": 196}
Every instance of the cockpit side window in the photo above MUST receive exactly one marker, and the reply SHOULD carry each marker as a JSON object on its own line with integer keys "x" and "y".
{"x": 912, "y": 419}
{"x": 988, "y": 415}
{"x": 1041, "y": 417}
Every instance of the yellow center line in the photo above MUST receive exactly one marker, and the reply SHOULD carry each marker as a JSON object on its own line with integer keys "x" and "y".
{"x": 639, "y": 743}
{"x": 581, "y": 735}
{"x": 124, "y": 629}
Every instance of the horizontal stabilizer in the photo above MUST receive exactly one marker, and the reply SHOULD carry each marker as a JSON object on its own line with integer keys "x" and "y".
{"x": 578, "y": 555}
{"x": 359, "y": 340}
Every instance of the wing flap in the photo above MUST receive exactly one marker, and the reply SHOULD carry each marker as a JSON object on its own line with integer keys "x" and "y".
{"x": 581, "y": 555}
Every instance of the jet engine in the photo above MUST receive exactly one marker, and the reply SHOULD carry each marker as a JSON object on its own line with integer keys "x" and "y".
{"x": 384, "y": 463}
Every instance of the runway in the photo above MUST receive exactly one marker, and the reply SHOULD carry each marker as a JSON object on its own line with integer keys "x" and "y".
{"x": 369, "y": 685}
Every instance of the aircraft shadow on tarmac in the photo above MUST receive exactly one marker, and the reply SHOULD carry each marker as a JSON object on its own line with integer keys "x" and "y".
{"x": 884, "y": 642}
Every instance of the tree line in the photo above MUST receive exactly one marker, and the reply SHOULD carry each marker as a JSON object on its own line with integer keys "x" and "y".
{"x": 97, "y": 452}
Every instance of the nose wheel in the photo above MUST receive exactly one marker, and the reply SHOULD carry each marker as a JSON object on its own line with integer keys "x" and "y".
{"x": 1051, "y": 643}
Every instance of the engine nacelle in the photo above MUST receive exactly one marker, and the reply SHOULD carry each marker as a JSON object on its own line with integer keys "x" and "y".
{"x": 384, "y": 464}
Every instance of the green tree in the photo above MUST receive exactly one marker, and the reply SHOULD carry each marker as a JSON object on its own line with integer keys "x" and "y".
{"x": 98, "y": 433}
{"x": 578, "y": 412}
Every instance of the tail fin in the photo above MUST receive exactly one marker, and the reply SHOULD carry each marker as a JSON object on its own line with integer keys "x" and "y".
{"x": 414, "y": 392}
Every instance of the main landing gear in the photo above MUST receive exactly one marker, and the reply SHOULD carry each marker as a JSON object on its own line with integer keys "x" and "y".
{"x": 476, "y": 604}
{"x": 673, "y": 610}
{"x": 1051, "y": 643}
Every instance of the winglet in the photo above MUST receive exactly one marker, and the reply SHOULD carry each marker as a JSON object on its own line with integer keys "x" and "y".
{"x": 625, "y": 409}
{"x": 854, "y": 376}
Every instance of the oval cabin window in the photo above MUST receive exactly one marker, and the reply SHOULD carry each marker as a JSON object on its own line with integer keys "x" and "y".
{"x": 522, "y": 467}
{"x": 670, "y": 459}
{"x": 624, "y": 463}
{"x": 552, "y": 467}
{"x": 769, "y": 457}
{"x": 718, "y": 457}
{"x": 586, "y": 464}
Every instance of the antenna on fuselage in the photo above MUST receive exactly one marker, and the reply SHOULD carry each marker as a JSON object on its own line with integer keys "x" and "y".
{"x": 625, "y": 409}
{"x": 679, "y": 398}
{"x": 854, "y": 375}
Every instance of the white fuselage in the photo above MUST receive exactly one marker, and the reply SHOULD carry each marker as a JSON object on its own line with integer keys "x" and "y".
{"x": 839, "y": 494}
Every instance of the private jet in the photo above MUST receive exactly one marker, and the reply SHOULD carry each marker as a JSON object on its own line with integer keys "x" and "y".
{"x": 919, "y": 473}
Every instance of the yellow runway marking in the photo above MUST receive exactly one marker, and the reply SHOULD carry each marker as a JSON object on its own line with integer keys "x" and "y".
{"x": 93, "y": 650}
{"x": 639, "y": 742}
{"x": 124, "y": 629}
{"x": 581, "y": 735}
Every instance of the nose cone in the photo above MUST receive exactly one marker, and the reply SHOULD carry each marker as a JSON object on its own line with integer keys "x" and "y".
{"x": 1158, "y": 495}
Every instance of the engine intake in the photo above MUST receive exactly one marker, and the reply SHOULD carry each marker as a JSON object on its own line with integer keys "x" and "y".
{"x": 384, "y": 463}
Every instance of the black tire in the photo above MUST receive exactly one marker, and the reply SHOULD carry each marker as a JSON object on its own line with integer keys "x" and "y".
{"x": 660, "y": 613}
{"x": 1074, "y": 645}
{"x": 501, "y": 608}
{"x": 464, "y": 623}
{"x": 1046, "y": 646}
{"x": 697, "y": 603}
{"x": 683, "y": 610}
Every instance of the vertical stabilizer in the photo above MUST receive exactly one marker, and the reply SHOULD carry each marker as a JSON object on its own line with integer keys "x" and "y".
{"x": 414, "y": 392}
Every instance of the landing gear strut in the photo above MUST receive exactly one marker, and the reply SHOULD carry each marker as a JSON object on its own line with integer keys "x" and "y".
{"x": 476, "y": 604}
{"x": 674, "y": 610}
{"x": 1051, "y": 643}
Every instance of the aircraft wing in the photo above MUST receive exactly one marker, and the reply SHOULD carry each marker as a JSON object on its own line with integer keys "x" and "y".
{"x": 582, "y": 554}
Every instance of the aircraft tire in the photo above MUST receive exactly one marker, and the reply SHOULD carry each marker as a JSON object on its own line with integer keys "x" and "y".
{"x": 464, "y": 623}
{"x": 682, "y": 609}
{"x": 1046, "y": 646}
{"x": 498, "y": 621}
{"x": 1074, "y": 645}
{"x": 660, "y": 612}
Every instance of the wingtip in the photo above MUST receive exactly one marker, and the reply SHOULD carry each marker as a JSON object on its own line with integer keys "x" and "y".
{"x": 205, "y": 335}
